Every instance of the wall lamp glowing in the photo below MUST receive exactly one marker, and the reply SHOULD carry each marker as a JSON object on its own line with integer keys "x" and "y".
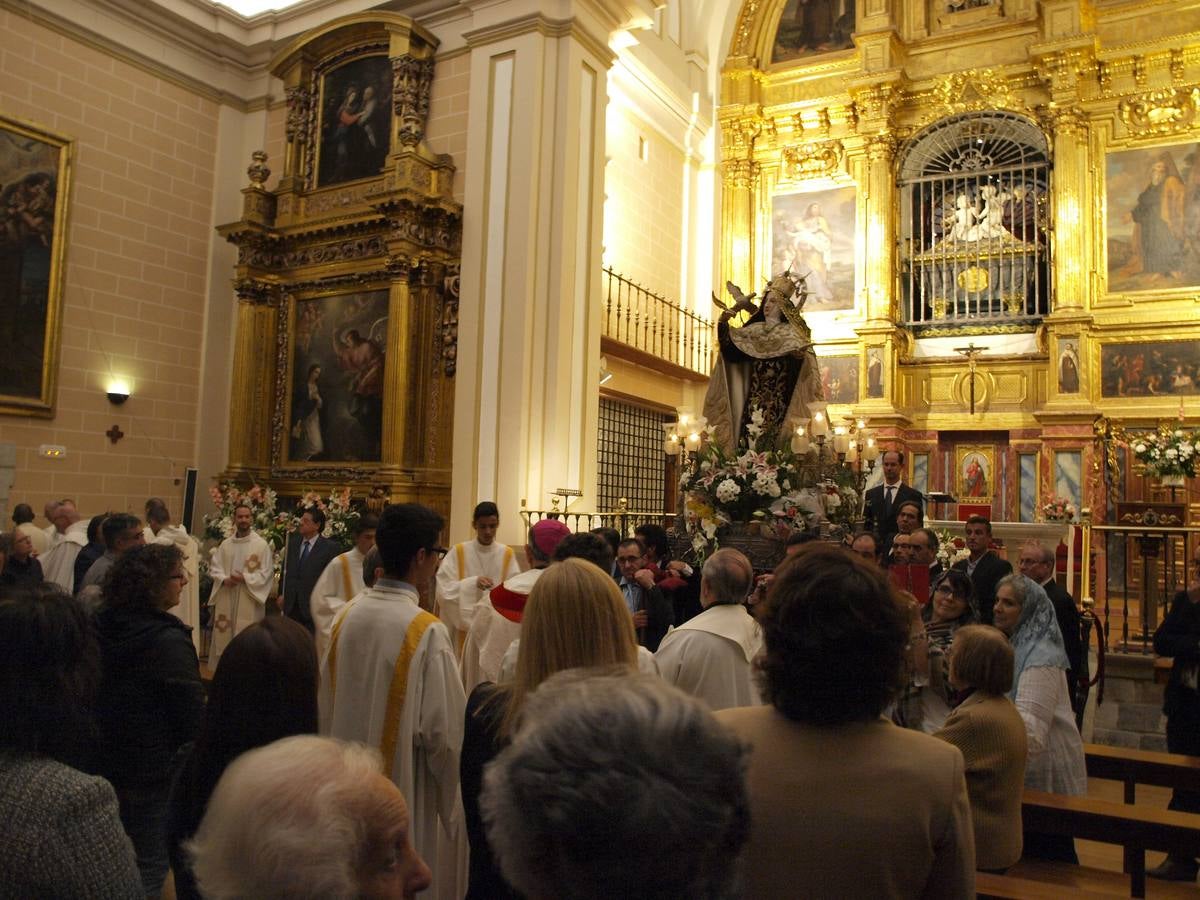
{"x": 118, "y": 391}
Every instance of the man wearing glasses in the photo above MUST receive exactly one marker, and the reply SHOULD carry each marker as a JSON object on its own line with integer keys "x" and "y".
{"x": 390, "y": 680}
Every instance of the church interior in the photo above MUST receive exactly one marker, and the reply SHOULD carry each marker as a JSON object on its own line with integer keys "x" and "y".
{"x": 444, "y": 252}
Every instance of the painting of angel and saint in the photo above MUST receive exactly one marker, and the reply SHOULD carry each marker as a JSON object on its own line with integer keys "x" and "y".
{"x": 32, "y": 201}
{"x": 1153, "y": 218}
{"x": 813, "y": 26}
{"x": 356, "y": 120}
{"x": 1150, "y": 369}
{"x": 338, "y": 361}
{"x": 812, "y": 234}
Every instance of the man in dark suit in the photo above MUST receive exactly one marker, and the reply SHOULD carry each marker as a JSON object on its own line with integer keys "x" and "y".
{"x": 652, "y": 612}
{"x": 1037, "y": 563}
{"x": 883, "y": 501}
{"x": 308, "y": 553}
{"x": 983, "y": 566}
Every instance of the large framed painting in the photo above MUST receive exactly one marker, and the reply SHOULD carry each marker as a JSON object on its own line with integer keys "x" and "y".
{"x": 1152, "y": 218}
{"x": 356, "y": 120}
{"x": 807, "y": 27}
{"x": 976, "y": 468}
{"x": 1150, "y": 369}
{"x": 34, "y": 185}
{"x": 336, "y": 363}
{"x": 839, "y": 378}
{"x": 813, "y": 235}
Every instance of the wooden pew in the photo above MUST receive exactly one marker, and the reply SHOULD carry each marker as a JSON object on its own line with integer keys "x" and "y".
{"x": 1137, "y": 829}
{"x": 1134, "y": 767}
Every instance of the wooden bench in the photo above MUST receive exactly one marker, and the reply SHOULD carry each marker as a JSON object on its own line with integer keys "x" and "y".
{"x": 1137, "y": 829}
{"x": 1086, "y": 883}
{"x": 1134, "y": 767}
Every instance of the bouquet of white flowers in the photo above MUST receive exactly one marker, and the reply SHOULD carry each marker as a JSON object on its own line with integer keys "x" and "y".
{"x": 1167, "y": 451}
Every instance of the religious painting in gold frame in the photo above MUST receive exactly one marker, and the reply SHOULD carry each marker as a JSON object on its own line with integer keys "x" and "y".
{"x": 1161, "y": 371}
{"x": 335, "y": 361}
{"x": 813, "y": 234}
{"x": 34, "y": 188}
{"x": 839, "y": 378}
{"x": 975, "y": 472}
{"x": 356, "y": 120}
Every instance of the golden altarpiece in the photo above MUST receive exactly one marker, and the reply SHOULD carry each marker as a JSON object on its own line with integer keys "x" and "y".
{"x": 1000, "y": 203}
{"x": 347, "y": 276}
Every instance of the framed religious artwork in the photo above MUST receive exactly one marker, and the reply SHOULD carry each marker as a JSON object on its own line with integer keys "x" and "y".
{"x": 975, "y": 468}
{"x": 812, "y": 234}
{"x": 1162, "y": 370}
{"x": 839, "y": 378}
{"x": 1152, "y": 218}
{"x": 356, "y": 120}
{"x": 34, "y": 187}
{"x": 808, "y": 27}
{"x": 1068, "y": 364}
{"x": 875, "y": 384}
{"x": 336, "y": 358}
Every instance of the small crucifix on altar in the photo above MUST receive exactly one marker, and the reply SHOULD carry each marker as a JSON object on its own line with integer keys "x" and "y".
{"x": 971, "y": 352}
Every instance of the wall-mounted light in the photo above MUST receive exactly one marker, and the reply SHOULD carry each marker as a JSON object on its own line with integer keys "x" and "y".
{"x": 117, "y": 390}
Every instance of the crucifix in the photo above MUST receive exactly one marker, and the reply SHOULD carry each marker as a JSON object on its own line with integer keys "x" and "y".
{"x": 971, "y": 352}
{"x": 114, "y": 434}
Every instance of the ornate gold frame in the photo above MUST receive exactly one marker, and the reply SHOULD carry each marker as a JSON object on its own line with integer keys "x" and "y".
{"x": 42, "y": 405}
{"x": 962, "y": 453}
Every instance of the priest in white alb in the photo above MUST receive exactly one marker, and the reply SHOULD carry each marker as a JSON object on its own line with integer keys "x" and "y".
{"x": 711, "y": 655}
{"x": 341, "y": 581}
{"x": 242, "y": 571}
{"x": 470, "y": 570}
{"x": 497, "y": 621}
{"x": 390, "y": 680}
{"x": 69, "y": 537}
{"x": 159, "y": 530}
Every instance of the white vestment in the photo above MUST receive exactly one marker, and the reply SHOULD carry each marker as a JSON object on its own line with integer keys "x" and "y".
{"x": 492, "y": 633}
{"x": 340, "y": 583}
{"x": 58, "y": 565}
{"x": 508, "y": 666}
{"x": 357, "y": 676}
{"x": 38, "y": 536}
{"x": 236, "y": 606}
{"x": 457, "y": 594}
{"x": 188, "y": 609}
{"x": 710, "y": 656}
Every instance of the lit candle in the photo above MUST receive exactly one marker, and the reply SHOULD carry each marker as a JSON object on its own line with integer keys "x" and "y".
{"x": 871, "y": 451}
{"x": 693, "y": 440}
{"x": 852, "y": 454}
{"x": 820, "y": 425}
{"x": 672, "y": 445}
{"x": 800, "y": 442}
{"x": 841, "y": 440}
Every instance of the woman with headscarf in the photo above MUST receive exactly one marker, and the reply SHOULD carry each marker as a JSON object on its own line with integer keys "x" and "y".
{"x": 1056, "y": 763}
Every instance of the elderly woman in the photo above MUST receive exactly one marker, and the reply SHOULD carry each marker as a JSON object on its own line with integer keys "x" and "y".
{"x": 1056, "y": 764}
{"x": 62, "y": 836}
{"x": 989, "y": 731}
{"x": 835, "y": 638}
{"x": 150, "y": 699}
{"x": 307, "y": 818}
{"x": 278, "y": 658}
{"x": 575, "y": 617}
{"x": 951, "y": 607}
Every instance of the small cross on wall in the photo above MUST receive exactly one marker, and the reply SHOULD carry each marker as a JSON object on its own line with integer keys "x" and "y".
{"x": 114, "y": 434}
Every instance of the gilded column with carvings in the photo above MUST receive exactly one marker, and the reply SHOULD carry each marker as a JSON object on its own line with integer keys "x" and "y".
{"x": 739, "y": 185}
{"x": 253, "y": 380}
{"x": 880, "y": 263}
{"x": 1071, "y": 192}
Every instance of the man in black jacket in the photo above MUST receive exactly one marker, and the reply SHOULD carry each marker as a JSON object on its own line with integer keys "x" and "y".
{"x": 983, "y": 566}
{"x": 1037, "y": 563}
{"x": 883, "y": 501}
{"x": 652, "y": 611}
{"x": 1179, "y": 637}
{"x": 308, "y": 553}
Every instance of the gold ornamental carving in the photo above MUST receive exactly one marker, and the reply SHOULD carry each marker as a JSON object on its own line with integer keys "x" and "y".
{"x": 875, "y": 101}
{"x": 1168, "y": 111}
{"x": 740, "y": 173}
{"x": 973, "y": 280}
{"x": 971, "y": 91}
{"x": 815, "y": 160}
{"x": 881, "y": 148}
{"x": 1062, "y": 120}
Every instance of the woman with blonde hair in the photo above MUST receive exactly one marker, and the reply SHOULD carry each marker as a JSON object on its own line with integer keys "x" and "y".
{"x": 575, "y": 618}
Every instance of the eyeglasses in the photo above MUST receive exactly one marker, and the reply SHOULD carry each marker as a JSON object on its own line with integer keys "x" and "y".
{"x": 440, "y": 551}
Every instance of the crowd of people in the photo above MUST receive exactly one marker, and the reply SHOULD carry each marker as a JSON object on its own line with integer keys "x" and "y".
{"x": 604, "y": 720}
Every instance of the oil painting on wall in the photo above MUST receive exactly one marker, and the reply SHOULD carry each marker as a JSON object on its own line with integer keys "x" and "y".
{"x": 33, "y": 197}
{"x": 356, "y": 120}
{"x": 813, "y": 235}
{"x": 976, "y": 470}
{"x": 839, "y": 378}
{"x": 813, "y": 26}
{"x": 1150, "y": 369}
{"x": 1153, "y": 218}
{"x": 337, "y": 363}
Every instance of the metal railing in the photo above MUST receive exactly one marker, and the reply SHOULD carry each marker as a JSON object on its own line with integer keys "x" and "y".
{"x": 626, "y": 522}
{"x": 651, "y": 323}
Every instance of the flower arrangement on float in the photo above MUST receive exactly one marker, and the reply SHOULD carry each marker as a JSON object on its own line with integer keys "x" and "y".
{"x": 948, "y": 550}
{"x": 1168, "y": 453}
{"x": 1059, "y": 509}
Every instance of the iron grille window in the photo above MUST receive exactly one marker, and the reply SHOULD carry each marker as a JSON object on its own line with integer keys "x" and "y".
{"x": 974, "y": 194}
{"x": 632, "y": 463}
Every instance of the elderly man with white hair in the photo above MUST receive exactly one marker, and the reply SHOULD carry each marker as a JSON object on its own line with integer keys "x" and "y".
{"x": 710, "y": 656}
{"x": 306, "y": 817}
{"x": 617, "y": 785}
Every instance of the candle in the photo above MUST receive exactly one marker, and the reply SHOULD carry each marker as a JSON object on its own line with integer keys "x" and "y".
{"x": 672, "y": 445}
{"x": 800, "y": 442}
{"x": 871, "y": 451}
{"x": 852, "y": 454}
{"x": 693, "y": 440}
{"x": 841, "y": 440}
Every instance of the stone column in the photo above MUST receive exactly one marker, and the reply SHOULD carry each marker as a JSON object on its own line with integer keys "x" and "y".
{"x": 525, "y": 418}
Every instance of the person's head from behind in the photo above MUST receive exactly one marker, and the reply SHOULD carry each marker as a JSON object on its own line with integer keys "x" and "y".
{"x": 544, "y": 538}
{"x": 157, "y": 514}
{"x": 585, "y": 545}
{"x": 726, "y": 578}
{"x": 617, "y": 785}
{"x": 49, "y": 671}
{"x": 865, "y": 545}
{"x": 306, "y": 817}
{"x": 981, "y": 658}
{"x": 407, "y": 538}
{"x": 827, "y": 610}
{"x": 364, "y": 532}
{"x": 575, "y": 618}
{"x": 655, "y": 542}
{"x": 146, "y": 578}
{"x": 122, "y": 532}
{"x": 796, "y": 540}
{"x": 371, "y": 566}
{"x": 22, "y": 513}
{"x": 612, "y": 536}
{"x": 485, "y": 520}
